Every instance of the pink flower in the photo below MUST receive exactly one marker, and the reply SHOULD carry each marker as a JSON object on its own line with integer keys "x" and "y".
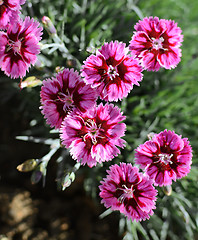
{"x": 130, "y": 192}
{"x": 64, "y": 93}
{"x": 111, "y": 71}
{"x": 9, "y": 12}
{"x": 93, "y": 136}
{"x": 19, "y": 47}
{"x": 165, "y": 158}
{"x": 156, "y": 43}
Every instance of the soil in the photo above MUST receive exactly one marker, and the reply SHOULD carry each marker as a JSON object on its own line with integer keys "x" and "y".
{"x": 31, "y": 212}
{"x": 24, "y": 215}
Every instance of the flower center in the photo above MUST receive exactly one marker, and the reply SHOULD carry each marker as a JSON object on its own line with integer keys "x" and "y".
{"x": 112, "y": 72}
{"x": 66, "y": 99}
{"x": 157, "y": 43}
{"x": 127, "y": 193}
{"x": 1, "y": 2}
{"x": 15, "y": 46}
{"x": 165, "y": 158}
{"x": 92, "y": 131}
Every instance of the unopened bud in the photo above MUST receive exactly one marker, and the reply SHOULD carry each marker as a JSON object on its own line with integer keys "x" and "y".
{"x": 39, "y": 64}
{"x": 28, "y": 165}
{"x": 36, "y": 176}
{"x": 167, "y": 190}
{"x": 59, "y": 69}
{"x": 30, "y": 82}
{"x": 71, "y": 63}
{"x": 91, "y": 49}
{"x": 48, "y": 25}
{"x": 151, "y": 135}
{"x": 67, "y": 180}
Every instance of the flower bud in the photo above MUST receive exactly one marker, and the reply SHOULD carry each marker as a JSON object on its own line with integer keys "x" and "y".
{"x": 28, "y": 165}
{"x": 167, "y": 190}
{"x": 39, "y": 64}
{"x": 48, "y": 25}
{"x": 151, "y": 135}
{"x": 30, "y": 82}
{"x": 67, "y": 180}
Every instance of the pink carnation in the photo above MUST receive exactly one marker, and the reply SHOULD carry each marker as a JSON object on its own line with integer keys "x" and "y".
{"x": 9, "y": 12}
{"x": 63, "y": 94}
{"x": 130, "y": 192}
{"x": 156, "y": 43}
{"x": 19, "y": 47}
{"x": 165, "y": 158}
{"x": 111, "y": 71}
{"x": 93, "y": 136}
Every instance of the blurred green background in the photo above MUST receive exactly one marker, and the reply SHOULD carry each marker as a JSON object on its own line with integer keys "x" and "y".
{"x": 167, "y": 99}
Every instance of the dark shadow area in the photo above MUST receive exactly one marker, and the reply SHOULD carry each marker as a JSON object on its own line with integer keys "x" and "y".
{"x": 29, "y": 211}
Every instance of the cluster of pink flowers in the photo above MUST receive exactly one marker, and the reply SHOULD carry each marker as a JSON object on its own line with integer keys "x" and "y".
{"x": 68, "y": 101}
{"x": 19, "y": 39}
{"x": 166, "y": 157}
{"x": 93, "y": 133}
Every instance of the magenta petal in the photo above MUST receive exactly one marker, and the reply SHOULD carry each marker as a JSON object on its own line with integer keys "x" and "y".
{"x": 169, "y": 59}
{"x": 149, "y": 61}
{"x": 152, "y": 171}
